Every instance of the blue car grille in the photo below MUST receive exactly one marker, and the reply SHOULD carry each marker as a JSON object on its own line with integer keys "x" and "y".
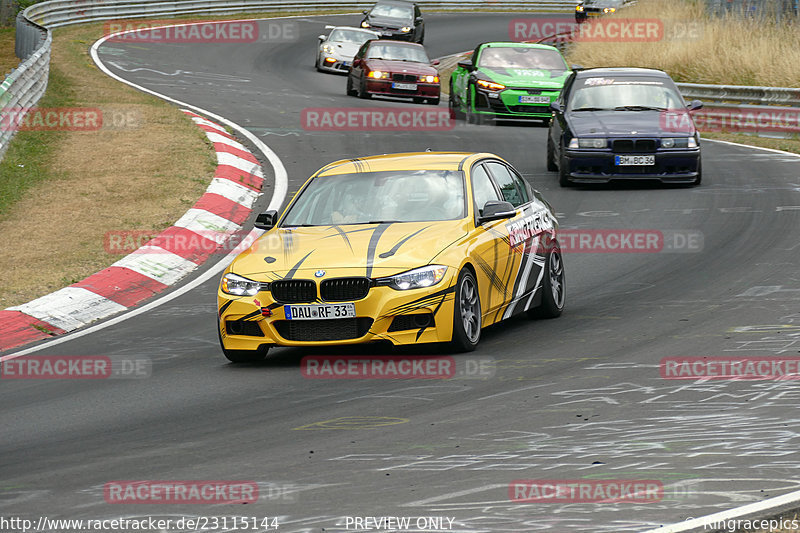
{"x": 634, "y": 145}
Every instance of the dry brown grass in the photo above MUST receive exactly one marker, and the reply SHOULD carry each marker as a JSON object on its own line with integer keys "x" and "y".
{"x": 140, "y": 177}
{"x": 81, "y": 185}
{"x": 728, "y": 50}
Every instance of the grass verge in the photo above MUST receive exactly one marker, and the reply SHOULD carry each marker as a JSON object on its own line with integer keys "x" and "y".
{"x": 62, "y": 191}
{"x": 713, "y": 51}
{"x": 8, "y": 59}
{"x": 726, "y": 50}
{"x": 786, "y": 145}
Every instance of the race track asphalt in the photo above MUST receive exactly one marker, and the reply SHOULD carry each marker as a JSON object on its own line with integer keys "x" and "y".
{"x": 576, "y": 397}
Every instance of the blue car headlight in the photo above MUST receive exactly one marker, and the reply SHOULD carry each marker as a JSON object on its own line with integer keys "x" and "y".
{"x": 418, "y": 278}
{"x": 588, "y": 142}
{"x": 678, "y": 142}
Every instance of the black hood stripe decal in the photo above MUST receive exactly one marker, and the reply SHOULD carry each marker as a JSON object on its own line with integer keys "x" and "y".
{"x": 225, "y": 306}
{"x": 293, "y": 270}
{"x": 343, "y": 235}
{"x": 419, "y": 302}
{"x": 400, "y": 243}
{"x": 373, "y": 245}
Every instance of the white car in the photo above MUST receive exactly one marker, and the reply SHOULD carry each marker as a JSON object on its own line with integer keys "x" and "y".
{"x": 336, "y": 51}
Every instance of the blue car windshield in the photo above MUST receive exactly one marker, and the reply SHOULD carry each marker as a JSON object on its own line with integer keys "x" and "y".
{"x": 624, "y": 94}
{"x": 387, "y": 196}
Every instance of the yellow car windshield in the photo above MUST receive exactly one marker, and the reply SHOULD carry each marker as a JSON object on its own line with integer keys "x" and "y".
{"x": 379, "y": 197}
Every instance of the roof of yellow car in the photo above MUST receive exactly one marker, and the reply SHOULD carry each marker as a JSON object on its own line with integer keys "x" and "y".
{"x": 403, "y": 161}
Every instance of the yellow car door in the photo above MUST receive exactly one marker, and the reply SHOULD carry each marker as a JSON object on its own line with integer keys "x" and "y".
{"x": 490, "y": 248}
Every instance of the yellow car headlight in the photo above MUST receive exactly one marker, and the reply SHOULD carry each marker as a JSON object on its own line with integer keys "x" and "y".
{"x": 239, "y": 286}
{"x": 419, "y": 278}
{"x": 490, "y": 85}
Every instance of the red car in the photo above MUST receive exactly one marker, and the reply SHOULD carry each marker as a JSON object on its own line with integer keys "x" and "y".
{"x": 393, "y": 68}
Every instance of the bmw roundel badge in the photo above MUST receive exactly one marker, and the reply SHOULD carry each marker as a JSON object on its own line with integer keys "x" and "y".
{"x": 319, "y": 273}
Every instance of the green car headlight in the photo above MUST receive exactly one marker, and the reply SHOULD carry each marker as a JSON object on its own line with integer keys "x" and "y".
{"x": 490, "y": 85}
{"x": 418, "y": 278}
{"x": 239, "y": 286}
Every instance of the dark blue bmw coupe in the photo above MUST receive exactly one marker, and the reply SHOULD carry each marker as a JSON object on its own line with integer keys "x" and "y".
{"x": 623, "y": 123}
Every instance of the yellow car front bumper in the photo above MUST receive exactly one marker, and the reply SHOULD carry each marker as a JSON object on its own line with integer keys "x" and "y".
{"x": 400, "y": 317}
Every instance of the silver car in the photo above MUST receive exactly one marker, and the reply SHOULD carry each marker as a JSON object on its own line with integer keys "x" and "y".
{"x": 336, "y": 51}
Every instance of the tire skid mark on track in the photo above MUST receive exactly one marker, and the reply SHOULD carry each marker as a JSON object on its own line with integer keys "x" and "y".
{"x": 521, "y": 512}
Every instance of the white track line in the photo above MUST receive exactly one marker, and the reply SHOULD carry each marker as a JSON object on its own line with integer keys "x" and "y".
{"x": 281, "y": 186}
{"x": 773, "y": 150}
{"x": 732, "y": 514}
{"x": 278, "y": 194}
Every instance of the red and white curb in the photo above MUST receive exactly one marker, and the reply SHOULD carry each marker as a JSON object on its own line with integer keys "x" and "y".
{"x": 163, "y": 261}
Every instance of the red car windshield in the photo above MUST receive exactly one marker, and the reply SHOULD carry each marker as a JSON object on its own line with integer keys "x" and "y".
{"x": 398, "y": 52}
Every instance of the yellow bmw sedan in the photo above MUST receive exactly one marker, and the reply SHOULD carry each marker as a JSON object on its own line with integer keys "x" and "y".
{"x": 406, "y": 248}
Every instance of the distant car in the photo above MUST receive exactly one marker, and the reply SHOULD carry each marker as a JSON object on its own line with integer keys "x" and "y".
{"x": 336, "y": 51}
{"x": 508, "y": 81}
{"x": 395, "y": 19}
{"x": 596, "y": 8}
{"x": 623, "y": 123}
{"x": 393, "y": 68}
{"x": 406, "y": 248}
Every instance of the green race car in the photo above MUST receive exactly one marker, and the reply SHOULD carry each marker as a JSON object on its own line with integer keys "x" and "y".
{"x": 508, "y": 81}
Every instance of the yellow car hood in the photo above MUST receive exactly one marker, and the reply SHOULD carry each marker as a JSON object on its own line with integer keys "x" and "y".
{"x": 372, "y": 249}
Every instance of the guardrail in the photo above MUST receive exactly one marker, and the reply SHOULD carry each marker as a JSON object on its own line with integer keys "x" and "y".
{"x": 740, "y": 94}
{"x": 720, "y": 100}
{"x": 26, "y": 84}
{"x": 24, "y": 87}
